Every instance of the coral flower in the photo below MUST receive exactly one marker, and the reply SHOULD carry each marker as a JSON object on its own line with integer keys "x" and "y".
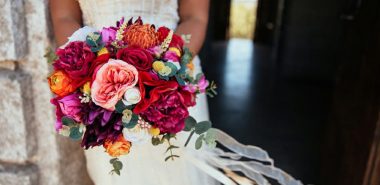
{"x": 111, "y": 81}
{"x": 60, "y": 83}
{"x": 118, "y": 147}
{"x": 143, "y": 36}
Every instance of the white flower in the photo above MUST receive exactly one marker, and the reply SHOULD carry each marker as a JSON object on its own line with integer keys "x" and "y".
{"x": 137, "y": 135}
{"x": 80, "y": 35}
{"x": 132, "y": 96}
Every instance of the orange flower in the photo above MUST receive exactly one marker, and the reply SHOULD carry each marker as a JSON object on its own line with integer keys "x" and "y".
{"x": 143, "y": 36}
{"x": 190, "y": 65}
{"x": 118, "y": 147}
{"x": 60, "y": 83}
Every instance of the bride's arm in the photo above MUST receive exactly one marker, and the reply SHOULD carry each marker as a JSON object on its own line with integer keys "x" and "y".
{"x": 66, "y": 17}
{"x": 194, "y": 18}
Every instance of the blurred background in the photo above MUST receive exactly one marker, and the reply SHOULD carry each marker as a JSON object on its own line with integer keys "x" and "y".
{"x": 297, "y": 78}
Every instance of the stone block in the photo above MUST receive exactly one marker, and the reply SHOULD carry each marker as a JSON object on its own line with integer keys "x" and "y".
{"x": 12, "y": 125}
{"x": 13, "y": 34}
{"x": 14, "y": 179}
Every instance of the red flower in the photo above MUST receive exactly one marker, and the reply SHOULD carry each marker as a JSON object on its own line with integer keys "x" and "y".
{"x": 140, "y": 58}
{"x": 168, "y": 113}
{"x": 177, "y": 40}
{"x": 75, "y": 59}
{"x": 163, "y": 103}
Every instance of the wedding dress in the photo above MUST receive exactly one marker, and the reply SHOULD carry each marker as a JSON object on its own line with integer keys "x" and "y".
{"x": 145, "y": 164}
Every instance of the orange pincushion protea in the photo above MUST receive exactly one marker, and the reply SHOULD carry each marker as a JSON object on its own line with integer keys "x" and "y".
{"x": 118, "y": 147}
{"x": 143, "y": 36}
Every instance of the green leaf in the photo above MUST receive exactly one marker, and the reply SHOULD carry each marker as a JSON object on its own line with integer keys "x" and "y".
{"x": 198, "y": 77}
{"x": 75, "y": 133}
{"x": 180, "y": 81}
{"x": 113, "y": 160}
{"x": 190, "y": 123}
{"x": 50, "y": 55}
{"x": 171, "y": 147}
{"x": 117, "y": 165}
{"x": 156, "y": 141}
{"x": 67, "y": 121}
{"x": 173, "y": 68}
{"x": 117, "y": 172}
{"x": 198, "y": 142}
{"x": 202, "y": 127}
{"x": 133, "y": 122}
{"x": 120, "y": 106}
{"x": 210, "y": 138}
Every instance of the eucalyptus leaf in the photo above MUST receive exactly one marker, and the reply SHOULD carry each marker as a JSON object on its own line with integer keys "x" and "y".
{"x": 167, "y": 158}
{"x": 75, "y": 134}
{"x": 113, "y": 160}
{"x": 190, "y": 123}
{"x": 202, "y": 127}
{"x": 199, "y": 142}
{"x": 117, "y": 165}
{"x": 180, "y": 80}
{"x": 120, "y": 107}
{"x": 156, "y": 141}
{"x": 117, "y": 172}
{"x": 133, "y": 122}
{"x": 67, "y": 121}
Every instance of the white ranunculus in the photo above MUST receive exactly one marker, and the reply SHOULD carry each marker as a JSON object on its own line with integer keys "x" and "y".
{"x": 80, "y": 35}
{"x": 132, "y": 96}
{"x": 137, "y": 135}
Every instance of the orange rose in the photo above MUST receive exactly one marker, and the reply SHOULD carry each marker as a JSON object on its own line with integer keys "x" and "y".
{"x": 60, "y": 83}
{"x": 118, "y": 147}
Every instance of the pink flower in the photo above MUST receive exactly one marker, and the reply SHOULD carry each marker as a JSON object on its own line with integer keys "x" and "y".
{"x": 168, "y": 113}
{"x": 111, "y": 81}
{"x": 201, "y": 86}
{"x": 108, "y": 34}
{"x": 69, "y": 106}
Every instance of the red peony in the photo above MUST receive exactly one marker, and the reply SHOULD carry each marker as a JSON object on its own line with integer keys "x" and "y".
{"x": 140, "y": 58}
{"x": 75, "y": 59}
{"x": 165, "y": 104}
{"x": 168, "y": 113}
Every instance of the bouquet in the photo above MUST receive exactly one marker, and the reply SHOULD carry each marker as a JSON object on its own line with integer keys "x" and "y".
{"x": 125, "y": 85}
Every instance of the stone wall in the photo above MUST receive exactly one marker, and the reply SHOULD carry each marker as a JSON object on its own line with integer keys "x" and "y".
{"x": 30, "y": 151}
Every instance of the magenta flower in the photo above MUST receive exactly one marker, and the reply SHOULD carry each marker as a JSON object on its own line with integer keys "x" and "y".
{"x": 69, "y": 106}
{"x": 108, "y": 34}
{"x": 201, "y": 86}
{"x": 168, "y": 113}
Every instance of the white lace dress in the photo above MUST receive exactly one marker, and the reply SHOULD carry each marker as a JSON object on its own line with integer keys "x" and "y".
{"x": 145, "y": 164}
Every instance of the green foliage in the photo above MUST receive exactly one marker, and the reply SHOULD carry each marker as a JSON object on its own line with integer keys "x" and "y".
{"x": 67, "y": 121}
{"x": 75, "y": 133}
{"x": 133, "y": 122}
{"x": 198, "y": 142}
{"x": 211, "y": 90}
{"x": 50, "y": 55}
{"x": 117, "y": 166}
{"x": 202, "y": 127}
{"x": 120, "y": 106}
{"x": 180, "y": 81}
{"x": 190, "y": 123}
{"x": 94, "y": 40}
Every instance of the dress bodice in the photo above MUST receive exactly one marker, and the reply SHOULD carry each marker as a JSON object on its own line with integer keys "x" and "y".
{"x": 104, "y": 13}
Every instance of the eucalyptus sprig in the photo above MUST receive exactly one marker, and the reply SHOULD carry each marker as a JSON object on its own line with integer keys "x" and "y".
{"x": 117, "y": 166}
{"x": 203, "y": 129}
{"x": 211, "y": 90}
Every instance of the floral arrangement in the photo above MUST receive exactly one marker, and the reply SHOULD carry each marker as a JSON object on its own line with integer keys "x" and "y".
{"x": 125, "y": 85}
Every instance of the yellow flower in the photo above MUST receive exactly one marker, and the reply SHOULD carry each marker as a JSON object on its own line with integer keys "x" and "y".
{"x": 158, "y": 65}
{"x": 176, "y": 50}
{"x": 103, "y": 51}
{"x": 154, "y": 131}
{"x": 86, "y": 89}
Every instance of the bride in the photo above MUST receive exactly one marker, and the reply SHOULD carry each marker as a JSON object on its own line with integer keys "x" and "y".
{"x": 145, "y": 164}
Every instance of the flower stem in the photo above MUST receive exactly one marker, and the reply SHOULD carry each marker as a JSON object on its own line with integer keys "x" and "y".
{"x": 188, "y": 139}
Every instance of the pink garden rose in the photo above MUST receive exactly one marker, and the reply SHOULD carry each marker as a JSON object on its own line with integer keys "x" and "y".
{"x": 111, "y": 81}
{"x": 69, "y": 106}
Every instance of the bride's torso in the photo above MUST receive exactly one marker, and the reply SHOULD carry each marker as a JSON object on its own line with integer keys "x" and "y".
{"x": 104, "y": 13}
